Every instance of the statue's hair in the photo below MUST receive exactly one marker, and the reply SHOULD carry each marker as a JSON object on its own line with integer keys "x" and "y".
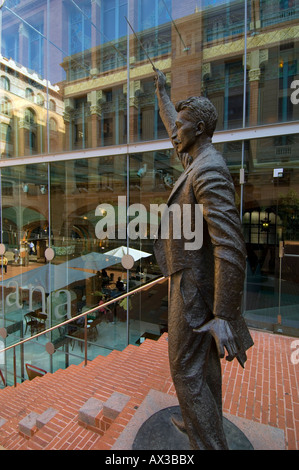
{"x": 201, "y": 109}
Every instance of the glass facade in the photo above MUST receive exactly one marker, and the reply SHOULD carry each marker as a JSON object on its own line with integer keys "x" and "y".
{"x": 81, "y": 138}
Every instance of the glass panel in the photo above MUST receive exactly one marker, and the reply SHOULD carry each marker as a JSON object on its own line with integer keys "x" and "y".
{"x": 149, "y": 313}
{"x": 91, "y": 106}
{"x": 23, "y": 88}
{"x": 87, "y": 193}
{"x": 32, "y": 354}
{"x": 25, "y": 233}
{"x": 152, "y": 177}
{"x": 273, "y": 67}
{"x": 165, "y": 34}
{"x": 222, "y": 71}
{"x": 269, "y": 218}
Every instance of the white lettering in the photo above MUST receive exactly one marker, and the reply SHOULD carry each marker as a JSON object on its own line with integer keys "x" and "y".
{"x": 294, "y": 95}
{"x": 137, "y": 228}
{"x": 105, "y": 228}
{"x": 67, "y": 303}
{"x": 116, "y": 460}
{"x": 42, "y": 290}
{"x": 15, "y": 296}
{"x": 122, "y": 217}
{"x": 295, "y": 354}
{"x": 170, "y": 227}
{"x": 12, "y": 299}
{"x": 197, "y": 234}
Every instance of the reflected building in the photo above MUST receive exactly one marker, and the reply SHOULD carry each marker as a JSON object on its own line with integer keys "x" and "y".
{"x": 80, "y": 127}
{"x": 31, "y": 112}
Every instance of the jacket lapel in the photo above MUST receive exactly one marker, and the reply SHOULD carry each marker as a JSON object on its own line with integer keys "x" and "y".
{"x": 178, "y": 184}
{"x": 185, "y": 174}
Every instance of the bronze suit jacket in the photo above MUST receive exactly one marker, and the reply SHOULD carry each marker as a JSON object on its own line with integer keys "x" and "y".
{"x": 219, "y": 265}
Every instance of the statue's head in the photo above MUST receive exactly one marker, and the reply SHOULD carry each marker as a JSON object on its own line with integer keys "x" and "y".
{"x": 200, "y": 110}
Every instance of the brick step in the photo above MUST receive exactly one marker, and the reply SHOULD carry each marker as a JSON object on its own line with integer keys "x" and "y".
{"x": 60, "y": 397}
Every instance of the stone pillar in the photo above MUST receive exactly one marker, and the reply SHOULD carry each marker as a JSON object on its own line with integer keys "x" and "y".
{"x": 255, "y": 60}
{"x": 67, "y": 116}
{"x": 24, "y": 127}
{"x": 255, "y": 15}
{"x": 96, "y": 99}
{"x": 135, "y": 89}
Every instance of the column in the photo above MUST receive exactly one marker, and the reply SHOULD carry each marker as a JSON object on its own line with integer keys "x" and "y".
{"x": 96, "y": 99}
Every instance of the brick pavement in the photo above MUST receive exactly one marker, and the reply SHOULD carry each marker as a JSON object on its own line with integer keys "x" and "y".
{"x": 266, "y": 391}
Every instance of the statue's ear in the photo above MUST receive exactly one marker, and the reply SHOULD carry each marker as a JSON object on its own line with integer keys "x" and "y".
{"x": 200, "y": 128}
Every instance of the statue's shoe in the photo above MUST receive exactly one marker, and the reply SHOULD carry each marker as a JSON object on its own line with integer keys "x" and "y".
{"x": 179, "y": 424}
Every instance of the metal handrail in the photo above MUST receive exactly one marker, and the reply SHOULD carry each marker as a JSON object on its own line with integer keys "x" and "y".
{"x": 82, "y": 315}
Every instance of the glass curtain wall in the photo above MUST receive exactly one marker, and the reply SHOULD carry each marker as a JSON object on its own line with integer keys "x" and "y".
{"x": 81, "y": 141}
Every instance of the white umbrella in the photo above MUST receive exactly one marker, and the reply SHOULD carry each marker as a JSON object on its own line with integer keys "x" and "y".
{"x": 50, "y": 277}
{"x": 123, "y": 250}
{"x": 94, "y": 261}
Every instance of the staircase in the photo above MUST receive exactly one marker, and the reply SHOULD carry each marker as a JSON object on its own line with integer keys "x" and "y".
{"x": 83, "y": 408}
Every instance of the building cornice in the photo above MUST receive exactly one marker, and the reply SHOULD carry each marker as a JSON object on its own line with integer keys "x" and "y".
{"x": 156, "y": 145}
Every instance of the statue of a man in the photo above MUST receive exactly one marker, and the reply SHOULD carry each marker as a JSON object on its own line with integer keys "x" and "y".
{"x": 206, "y": 285}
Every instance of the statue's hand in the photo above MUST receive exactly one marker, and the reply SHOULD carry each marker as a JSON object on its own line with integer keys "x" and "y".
{"x": 224, "y": 336}
{"x": 160, "y": 79}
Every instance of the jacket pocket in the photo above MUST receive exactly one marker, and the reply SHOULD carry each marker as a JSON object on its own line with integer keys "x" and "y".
{"x": 196, "y": 311}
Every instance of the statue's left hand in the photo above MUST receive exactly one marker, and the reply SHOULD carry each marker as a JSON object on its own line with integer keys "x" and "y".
{"x": 224, "y": 336}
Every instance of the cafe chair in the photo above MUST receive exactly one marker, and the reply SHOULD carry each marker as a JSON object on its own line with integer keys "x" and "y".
{"x": 2, "y": 378}
{"x": 33, "y": 371}
{"x": 31, "y": 323}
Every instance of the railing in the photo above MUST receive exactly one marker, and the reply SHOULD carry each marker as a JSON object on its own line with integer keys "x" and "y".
{"x": 278, "y": 16}
{"x": 50, "y": 348}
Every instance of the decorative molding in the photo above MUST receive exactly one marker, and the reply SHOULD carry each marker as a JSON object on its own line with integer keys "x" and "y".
{"x": 111, "y": 79}
{"x": 219, "y": 137}
{"x": 206, "y": 70}
{"x": 259, "y": 41}
{"x": 254, "y": 74}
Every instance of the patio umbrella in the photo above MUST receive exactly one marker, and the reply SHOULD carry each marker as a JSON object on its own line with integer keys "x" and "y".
{"x": 94, "y": 261}
{"x": 50, "y": 277}
{"x": 123, "y": 250}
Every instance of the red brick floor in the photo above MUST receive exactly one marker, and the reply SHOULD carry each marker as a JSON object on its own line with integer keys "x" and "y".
{"x": 266, "y": 391}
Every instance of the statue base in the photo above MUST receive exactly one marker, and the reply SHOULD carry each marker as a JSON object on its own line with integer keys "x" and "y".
{"x": 159, "y": 433}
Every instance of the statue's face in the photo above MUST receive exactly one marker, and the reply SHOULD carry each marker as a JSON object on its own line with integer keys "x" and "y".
{"x": 185, "y": 136}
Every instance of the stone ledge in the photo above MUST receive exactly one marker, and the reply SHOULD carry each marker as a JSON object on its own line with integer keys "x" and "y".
{"x": 153, "y": 402}
{"x": 115, "y": 404}
{"x": 45, "y": 417}
{"x": 89, "y": 411}
{"x": 27, "y": 426}
{"x": 2, "y": 421}
{"x": 261, "y": 436}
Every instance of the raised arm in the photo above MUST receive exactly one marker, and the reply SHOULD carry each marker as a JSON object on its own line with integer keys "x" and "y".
{"x": 168, "y": 113}
{"x": 167, "y": 110}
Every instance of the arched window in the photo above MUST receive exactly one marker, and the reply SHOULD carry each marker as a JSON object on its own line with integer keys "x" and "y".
{"x": 4, "y": 83}
{"x": 40, "y": 99}
{"x": 52, "y": 105}
{"x": 30, "y": 116}
{"x": 5, "y": 106}
{"x": 53, "y": 125}
{"x": 29, "y": 94}
{"x": 31, "y": 132}
{"x": 5, "y": 133}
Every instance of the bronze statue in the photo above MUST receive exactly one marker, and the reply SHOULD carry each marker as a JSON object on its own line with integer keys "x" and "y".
{"x": 206, "y": 285}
